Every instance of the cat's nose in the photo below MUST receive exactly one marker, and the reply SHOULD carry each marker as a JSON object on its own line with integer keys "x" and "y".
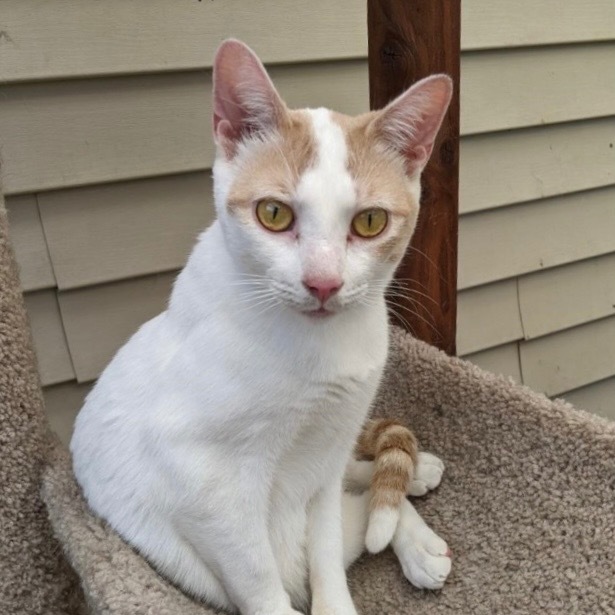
{"x": 323, "y": 288}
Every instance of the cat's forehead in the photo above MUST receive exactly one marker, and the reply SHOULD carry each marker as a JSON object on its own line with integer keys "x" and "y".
{"x": 326, "y": 156}
{"x": 338, "y": 141}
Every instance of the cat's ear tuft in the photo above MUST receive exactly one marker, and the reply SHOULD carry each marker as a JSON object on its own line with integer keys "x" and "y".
{"x": 409, "y": 124}
{"x": 245, "y": 99}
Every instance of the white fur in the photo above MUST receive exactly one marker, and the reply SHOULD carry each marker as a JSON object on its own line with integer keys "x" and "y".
{"x": 424, "y": 556}
{"x": 427, "y": 474}
{"x": 383, "y": 522}
{"x": 381, "y": 528}
{"x": 216, "y": 439}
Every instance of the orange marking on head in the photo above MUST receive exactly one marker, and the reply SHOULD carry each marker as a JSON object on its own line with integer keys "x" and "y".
{"x": 273, "y": 166}
{"x": 380, "y": 178}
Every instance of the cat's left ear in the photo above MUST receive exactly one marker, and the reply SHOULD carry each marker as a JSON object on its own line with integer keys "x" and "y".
{"x": 245, "y": 99}
{"x": 409, "y": 124}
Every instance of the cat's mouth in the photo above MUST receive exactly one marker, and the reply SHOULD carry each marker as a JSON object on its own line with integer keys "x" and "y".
{"x": 321, "y": 312}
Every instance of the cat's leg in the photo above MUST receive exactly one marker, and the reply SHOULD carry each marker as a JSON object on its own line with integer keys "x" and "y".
{"x": 177, "y": 560}
{"x": 355, "y": 515}
{"x": 424, "y": 556}
{"x": 330, "y": 594}
{"x": 236, "y": 547}
{"x": 426, "y": 476}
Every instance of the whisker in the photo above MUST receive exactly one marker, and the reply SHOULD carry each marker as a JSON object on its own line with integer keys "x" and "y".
{"x": 413, "y": 313}
{"x": 404, "y": 322}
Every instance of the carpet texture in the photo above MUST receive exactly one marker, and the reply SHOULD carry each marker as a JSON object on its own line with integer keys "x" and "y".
{"x": 34, "y": 576}
{"x": 527, "y": 503}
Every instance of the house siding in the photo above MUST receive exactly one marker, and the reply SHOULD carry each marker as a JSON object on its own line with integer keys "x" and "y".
{"x": 105, "y": 129}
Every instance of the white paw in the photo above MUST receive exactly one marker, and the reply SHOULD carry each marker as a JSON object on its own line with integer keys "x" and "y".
{"x": 427, "y": 474}
{"x": 425, "y": 558}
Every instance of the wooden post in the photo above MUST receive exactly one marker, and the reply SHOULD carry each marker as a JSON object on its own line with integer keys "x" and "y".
{"x": 408, "y": 40}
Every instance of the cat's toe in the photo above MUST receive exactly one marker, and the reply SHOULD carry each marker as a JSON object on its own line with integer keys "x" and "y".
{"x": 427, "y": 474}
{"x": 426, "y": 560}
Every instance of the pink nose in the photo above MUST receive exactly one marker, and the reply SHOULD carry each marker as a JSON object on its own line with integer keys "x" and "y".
{"x": 322, "y": 288}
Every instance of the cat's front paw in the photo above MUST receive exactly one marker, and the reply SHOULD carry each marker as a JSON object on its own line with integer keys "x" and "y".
{"x": 427, "y": 474}
{"x": 425, "y": 558}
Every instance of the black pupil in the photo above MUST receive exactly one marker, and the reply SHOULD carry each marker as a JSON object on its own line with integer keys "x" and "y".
{"x": 369, "y": 220}
{"x": 274, "y": 212}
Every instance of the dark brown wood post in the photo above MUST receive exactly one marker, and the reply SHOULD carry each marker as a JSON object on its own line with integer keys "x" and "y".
{"x": 408, "y": 40}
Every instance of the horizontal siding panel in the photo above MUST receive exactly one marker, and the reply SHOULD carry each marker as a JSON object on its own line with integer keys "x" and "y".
{"x": 488, "y": 316}
{"x": 99, "y": 319}
{"x": 511, "y": 241}
{"x": 62, "y": 134}
{"x": 54, "y": 361}
{"x": 45, "y": 40}
{"x": 65, "y": 134}
{"x": 529, "y": 87}
{"x": 598, "y": 398}
{"x": 503, "y": 360}
{"x": 568, "y": 296}
{"x": 115, "y": 231}
{"x": 28, "y": 240}
{"x": 570, "y": 359}
{"x": 523, "y": 165}
{"x": 62, "y": 403}
{"x": 502, "y": 23}
{"x": 50, "y": 41}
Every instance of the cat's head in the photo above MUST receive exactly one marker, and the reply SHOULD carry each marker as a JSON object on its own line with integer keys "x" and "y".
{"x": 317, "y": 208}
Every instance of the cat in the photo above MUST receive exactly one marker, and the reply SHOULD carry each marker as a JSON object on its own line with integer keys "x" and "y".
{"x": 217, "y": 439}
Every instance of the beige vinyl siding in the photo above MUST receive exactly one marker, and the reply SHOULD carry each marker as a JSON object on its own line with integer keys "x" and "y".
{"x": 110, "y": 129}
{"x": 114, "y": 231}
{"x": 571, "y": 358}
{"x": 54, "y": 359}
{"x": 488, "y": 316}
{"x": 35, "y": 270}
{"x": 66, "y": 40}
{"x": 99, "y": 319}
{"x": 502, "y": 360}
{"x": 568, "y": 296}
{"x": 536, "y": 235}
{"x": 106, "y": 145}
{"x": 530, "y": 87}
{"x": 598, "y": 397}
{"x": 504, "y": 168}
{"x": 62, "y": 403}
{"x": 526, "y": 23}
{"x": 58, "y": 40}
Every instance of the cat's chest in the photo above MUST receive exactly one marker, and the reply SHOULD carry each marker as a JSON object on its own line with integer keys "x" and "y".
{"x": 292, "y": 371}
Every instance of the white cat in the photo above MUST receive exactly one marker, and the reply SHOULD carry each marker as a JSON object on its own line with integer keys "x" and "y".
{"x": 217, "y": 438}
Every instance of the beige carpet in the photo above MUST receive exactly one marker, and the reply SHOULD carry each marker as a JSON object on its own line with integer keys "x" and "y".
{"x": 34, "y": 577}
{"x": 527, "y": 503}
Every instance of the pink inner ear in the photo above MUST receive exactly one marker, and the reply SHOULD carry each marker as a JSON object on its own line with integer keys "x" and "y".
{"x": 410, "y": 123}
{"x": 245, "y": 99}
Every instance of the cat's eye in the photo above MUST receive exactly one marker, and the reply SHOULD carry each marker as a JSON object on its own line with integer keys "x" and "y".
{"x": 370, "y": 222}
{"x": 274, "y": 215}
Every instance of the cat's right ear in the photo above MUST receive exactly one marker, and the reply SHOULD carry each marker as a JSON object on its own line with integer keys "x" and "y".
{"x": 409, "y": 124}
{"x": 245, "y": 99}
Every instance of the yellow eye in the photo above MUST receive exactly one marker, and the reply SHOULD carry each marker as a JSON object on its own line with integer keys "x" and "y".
{"x": 274, "y": 216}
{"x": 370, "y": 222}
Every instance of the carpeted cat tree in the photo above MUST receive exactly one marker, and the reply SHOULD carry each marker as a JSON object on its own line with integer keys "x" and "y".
{"x": 527, "y": 503}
